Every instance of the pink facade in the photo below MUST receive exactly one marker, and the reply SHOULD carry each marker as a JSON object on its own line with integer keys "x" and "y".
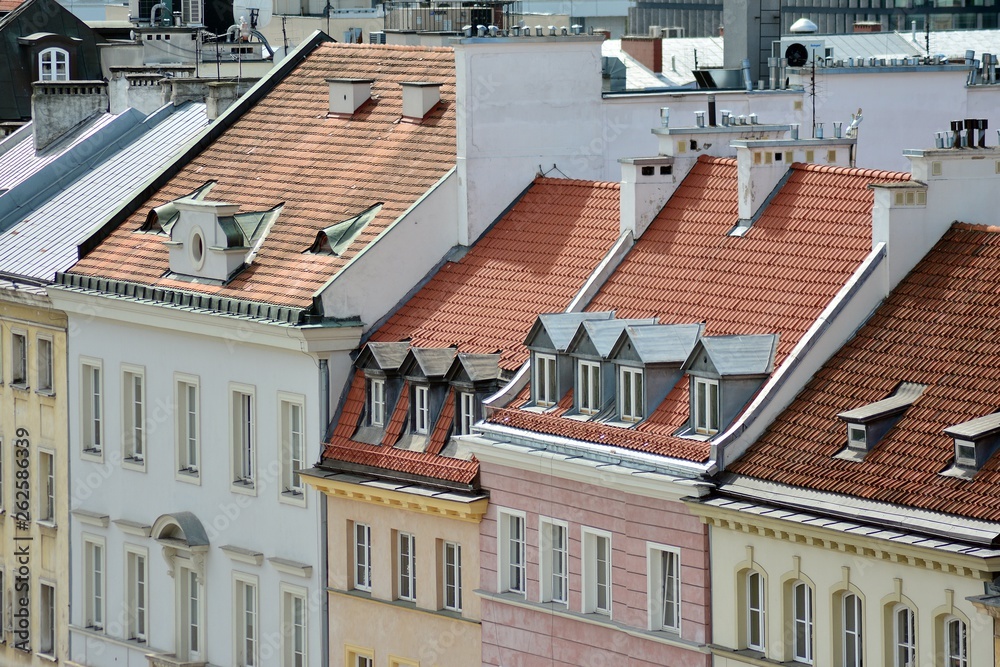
{"x": 522, "y": 631}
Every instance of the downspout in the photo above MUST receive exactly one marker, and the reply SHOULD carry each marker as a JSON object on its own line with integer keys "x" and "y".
{"x": 324, "y": 424}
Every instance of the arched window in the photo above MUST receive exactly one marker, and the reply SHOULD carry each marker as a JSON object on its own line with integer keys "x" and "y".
{"x": 852, "y": 639}
{"x": 904, "y": 637}
{"x": 53, "y": 65}
{"x": 956, "y": 650}
{"x": 755, "y": 611}
{"x": 802, "y": 621}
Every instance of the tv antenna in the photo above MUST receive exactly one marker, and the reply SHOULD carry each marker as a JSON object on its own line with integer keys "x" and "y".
{"x": 259, "y": 12}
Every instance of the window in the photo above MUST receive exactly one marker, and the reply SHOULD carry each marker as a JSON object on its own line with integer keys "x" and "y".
{"x": 857, "y": 436}
{"x": 588, "y": 387}
{"x": 1, "y": 484}
{"x": 545, "y": 380}
{"x": 19, "y": 360}
{"x": 293, "y": 625}
{"x": 243, "y": 437}
{"x": 133, "y": 415}
{"x": 187, "y": 426}
{"x": 3, "y": 606}
{"x": 376, "y": 402}
{"x": 554, "y": 561}
{"x": 292, "y": 447}
{"x": 452, "y": 579}
{"x": 359, "y": 657}
{"x": 93, "y": 595}
{"x": 245, "y": 620}
{"x": 466, "y": 413}
{"x": 362, "y": 557}
{"x": 136, "y": 602}
{"x": 46, "y": 476}
{"x": 630, "y": 396}
{"x": 852, "y": 640}
{"x": 406, "y": 567}
{"x": 421, "y": 410}
{"x": 53, "y": 65}
{"x": 44, "y": 379}
{"x": 596, "y": 572}
{"x": 512, "y": 540}
{"x": 47, "y": 611}
{"x": 92, "y": 408}
{"x": 802, "y": 621}
{"x": 190, "y": 603}
{"x": 664, "y": 588}
{"x": 955, "y": 643}
{"x": 904, "y": 637}
{"x": 706, "y": 406}
{"x": 755, "y": 611}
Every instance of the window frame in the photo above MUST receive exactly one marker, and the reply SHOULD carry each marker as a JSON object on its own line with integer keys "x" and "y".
{"x": 289, "y": 594}
{"x": 702, "y": 422}
{"x": 19, "y": 358}
{"x": 47, "y": 620}
{"x": 586, "y": 402}
{"x": 549, "y": 556}
{"x": 658, "y": 587}
{"x": 511, "y": 551}
{"x": 94, "y": 582}
{"x": 243, "y": 444}
{"x": 631, "y": 403}
{"x": 406, "y": 575}
{"x": 592, "y": 538}
{"x": 451, "y": 566}
{"x": 806, "y": 620}
{"x": 466, "y": 412}
{"x": 44, "y": 365}
{"x": 953, "y": 658}
{"x": 362, "y": 577}
{"x": 133, "y": 457}
{"x": 375, "y": 400}
{"x": 908, "y": 645}
{"x": 188, "y": 470}
{"x": 756, "y": 616}
{"x": 190, "y": 597}
{"x": 288, "y": 491}
{"x": 246, "y": 620}
{"x": 545, "y": 380}
{"x": 421, "y": 409}
{"x": 48, "y": 68}
{"x": 92, "y": 408}
{"x": 356, "y": 656}
{"x": 47, "y": 481}
{"x": 849, "y": 657}
{"x": 136, "y": 593}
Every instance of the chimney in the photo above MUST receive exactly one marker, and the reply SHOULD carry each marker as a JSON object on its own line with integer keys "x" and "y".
{"x": 647, "y": 50}
{"x": 346, "y": 95}
{"x": 867, "y": 26}
{"x": 419, "y": 97}
{"x": 221, "y": 95}
{"x": 57, "y": 107}
{"x": 647, "y": 184}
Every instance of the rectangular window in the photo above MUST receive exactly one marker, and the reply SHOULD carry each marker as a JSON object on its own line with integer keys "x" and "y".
{"x": 243, "y": 438}
{"x": 706, "y": 406}
{"x": 44, "y": 380}
{"x": 857, "y": 436}
{"x": 362, "y": 557}
{"x": 664, "y": 588}
{"x": 133, "y": 415}
{"x": 545, "y": 380}
{"x": 802, "y": 618}
{"x": 554, "y": 561}
{"x": 187, "y": 426}
{"x": 596, "y": 572}
{"x": 1, "y": 481}
{"x": 755, "y": 611}
{"x": 512, "y": 542}
{"x": 292, "y": 447}
{"x": 956, "y": 648}
{"x": 92, "y": 408}
{"x": 293, "y": 624}
{"x": 905, "y": 637}
{"x": 376, "y": 402}
{"x": 630, "y": 394}
{"x": 191, "y": 613}
{"x": 47, "y": 611}
{"x": 466, "y": 413}
{"x": 19, "y": 359}
{"x": 452, "y": 579}
{"x": 852, "y": 640}
{"x": 93, "y": 595}
{"x": 359, "y": 657}
{"x": 46, "y": 477}
{"x": 245, "y": 621}
{"x": 136, "y": 602}
{"x": 406, "y": 567}
{"x": 588, "y": 387}
{"x": 421, "y": 409}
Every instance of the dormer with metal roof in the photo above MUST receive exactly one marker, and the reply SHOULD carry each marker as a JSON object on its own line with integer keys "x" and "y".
{"x": 975, "y": 442}
{"x": 473, "y": 378}
{"x": 552, "y": 369}
{"x": 866, "y": 425}
{"x": 424, "y": 370}
{"x": 380, "y": 364}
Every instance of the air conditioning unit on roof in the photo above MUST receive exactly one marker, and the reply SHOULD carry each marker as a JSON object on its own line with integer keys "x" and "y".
{"x": 376, "y": 37}
{"x": 801, "y": 50}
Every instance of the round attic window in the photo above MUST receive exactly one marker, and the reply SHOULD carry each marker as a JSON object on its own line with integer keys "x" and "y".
{"x": 197, "y": 246}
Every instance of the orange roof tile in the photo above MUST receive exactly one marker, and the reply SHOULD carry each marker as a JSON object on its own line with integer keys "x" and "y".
{"x": 938, "y": 328}
{"x": 532, "y": 261}
{"x": 397, "y": 423}
{"x": 392, "y": 459}
{"x": 324, "y": 169}
{"x": 10, "y": 5}
{"x": 439, "y": 437}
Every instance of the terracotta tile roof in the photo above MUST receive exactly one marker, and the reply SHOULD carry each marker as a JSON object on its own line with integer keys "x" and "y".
{"x": 325, "y": 170}
{"x": 354, "y": 406}
{"x": 439, "y": 436}
{"x": 776, "y": 279}
{"x": 938, "y": 328}
{"x": 10, "y": 5}
{"x": 532, "y": 261}
{"x": 397, "y": 423}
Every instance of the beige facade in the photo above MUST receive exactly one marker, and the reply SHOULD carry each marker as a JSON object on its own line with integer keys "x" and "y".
{"x": 396, "y": 623}
{"x": 34, "y": 489}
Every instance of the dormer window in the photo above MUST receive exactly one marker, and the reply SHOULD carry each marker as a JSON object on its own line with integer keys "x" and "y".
{"x": 965, "y": 454}
{"x": 421, "y": 409}
{"x": 53, "y": 65}
{"x": 545, "y": 380}
{"x": 975, "y": 442}
{"x": 706, "y": 406}
{"x": 588, "y": 387}
{"x": 466, "y": 413}
{"x": 867, "y": 424}
{"x": 857, "y": 437}
{"x": 630, "y": 394}
{"x": 376, "y": 402}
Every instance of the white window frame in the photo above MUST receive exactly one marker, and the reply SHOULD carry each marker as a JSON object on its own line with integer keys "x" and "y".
{"x": 512, "y": 550}
{"x": 47, "y": 618}
{"x": 294, "y": 629}
{"x": 702, "y": 410}
{"x": 631, "y": 394}
{"x": 133, "y": 417}
{"x": 589, "y": 393}
{"x": 904, "y": 647}
{"x": 293, "y": 447}
{"x": 19, "y": 358}
{"x": 664, "y": 592}
{"x": 44, "y": 369}
{"x": 92, "y": 408}
{"x": 955, "y": 656}
{"x": 802, "y": 617}
{"x": 47, "y": 486}
{"x": 852, "y": 635}
{"x": 857, "y": 436}
{"x": 3, "y": 459}
{"x": 53, "y": 64}
{"x": 451, "y": 576}
{"x": 756, "y": 616}
{"x": 136, "y": 593}
{"x": 545, "y": 376}
{"x": 406, "y": 573}
{"x": 95, "y": 568}
{"x": 375, "y": 396}
{"x": 597, "y": 571}
{"x": 553, "y": 560}
{"x": 187, "y": 428}
{"x": 421, "y": 409}
{"x": 355, "y": 656}
{"x": 362, "y": 560}
{"x": 190, "y": 591}
{"x": 3, "y": 607}
{"x": 246, "y": 620}
{"x": 243, "y": 438}
{"x": 466, "y": 412}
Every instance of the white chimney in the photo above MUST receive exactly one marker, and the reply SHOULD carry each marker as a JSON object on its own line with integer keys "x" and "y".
{"x": 346, "y": 95}
{"x": 647, "y": 184}
{"x": 419, "y": 97}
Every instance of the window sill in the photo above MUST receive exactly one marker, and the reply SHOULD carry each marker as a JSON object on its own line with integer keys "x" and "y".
{"x": 296, "y": 498}
{"x": 48, "y": 657}
{"x": 20, "y": 386}
{"x": 188, "y": 476}
{"x": 244, "y": 488}
{"x": 48, "y": 393}
{"x": 401, "y": 604}
{"x": 134, "y": 463}
{"x": 93, "y": 454}
{"x": 47, "y": 525}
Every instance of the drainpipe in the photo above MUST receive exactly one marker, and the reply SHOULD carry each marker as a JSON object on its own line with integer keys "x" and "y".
{"x": 324, "y": 424}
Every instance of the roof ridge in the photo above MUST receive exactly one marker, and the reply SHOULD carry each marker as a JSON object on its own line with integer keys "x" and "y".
{"x": 393, "y": 47}
{"x": 878, "y": 174}
{"x": 974, "y": 227}
{"x": 550, "y": 180}
{"x": 711, "y": 159}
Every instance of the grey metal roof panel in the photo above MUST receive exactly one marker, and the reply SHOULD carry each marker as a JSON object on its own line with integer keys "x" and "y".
{"x": 605, "y": 333}
{"x": 480, "y": 366}
{"x": 870, "y": 45}
{"x": 388, "y": 356}
{"x": 975, "y": 428}
{"x": 954, "y": 43}
{"x": 906, "y": 394}
{"x": 434, "y": 362}
{"x": 45, "y": 241}
{"x": 741, "y": 355}
{"x": 561, "y": 326}
{"x": 664, "y": 343}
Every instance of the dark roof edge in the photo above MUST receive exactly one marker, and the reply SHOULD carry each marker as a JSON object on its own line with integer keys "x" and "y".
{"x": 335, "y": 466}
{"x": 208, "y": 136}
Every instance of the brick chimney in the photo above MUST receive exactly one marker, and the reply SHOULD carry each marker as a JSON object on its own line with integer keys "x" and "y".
{"x": 59, "y": 106}
{"x": 647, "y": 50}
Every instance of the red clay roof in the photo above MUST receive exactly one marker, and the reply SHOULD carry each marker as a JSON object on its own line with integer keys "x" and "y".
{"x": 325, "y": 170}
{"x": 776, "y": 279}
{"x": 939, "y": 328}
{"x": 532, "y": 261}
{"x": 7, "y": 6}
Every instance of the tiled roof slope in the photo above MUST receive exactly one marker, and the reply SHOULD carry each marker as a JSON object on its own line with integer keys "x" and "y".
{"x": 939, "y": 328}
{"x": 686, "y": 268}
{"x": 534, "y": 260}
{"x": 10, "y": 5}
{"x": 325, "y": 170}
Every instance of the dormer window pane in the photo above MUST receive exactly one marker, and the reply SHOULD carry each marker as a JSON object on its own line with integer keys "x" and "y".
{"x": 466, "y": 412}
{"x": 545, "y": 380}
{"x": 965, "y": 454}
{"x": 706, "y": 406}
{"x": 630, "y": 394}
{"x": 588, "y": 386}
{"x": 856, "y": 437}
{"x": 420, "y": 410}
{"x": 376, "y": 402}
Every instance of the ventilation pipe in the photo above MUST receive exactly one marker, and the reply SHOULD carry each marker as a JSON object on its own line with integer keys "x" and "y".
{"x": 746, "y": 75}
{"x": 664, "y": 116}
{"x": 711, "y": 110}
{"x": 160, "y": 8}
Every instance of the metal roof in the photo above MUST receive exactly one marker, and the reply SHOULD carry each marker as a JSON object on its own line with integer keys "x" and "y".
{"x": 870, "y": 45}
{"x": 388, "y": 356}
{"x": 560, "y": 327}
{"x": 741, "y": 355}
{"x": 905, "y": 395}
{"x": 480, "y": 366}
{"x": 433, "y": 361}
{"x": 605, "y": 333}
{"x": 663, "y": 343}
{"x": 954, "y": 43}
{"x": 975, "y": 428}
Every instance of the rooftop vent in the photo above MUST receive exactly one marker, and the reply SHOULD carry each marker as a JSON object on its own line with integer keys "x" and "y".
{"x": 975, "y": 441}
{"x": 869, "y": 423}
{"x": 419, "y": 97}
{"x": 803, "y": 27}
{"x": 347, "y": 95}
{"x": 335, "y": 239}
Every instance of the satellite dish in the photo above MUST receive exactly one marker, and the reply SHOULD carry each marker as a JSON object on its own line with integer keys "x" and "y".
{"x": 796, "y": 54}
{"x": 255, "y": 12}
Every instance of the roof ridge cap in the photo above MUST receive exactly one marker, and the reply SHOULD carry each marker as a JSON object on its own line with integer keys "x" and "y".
{"x": 550, "y": 180}
{"x": 975, "y": 227}
{"x": 879, "y": 174}
{"x": 394, "y": 47}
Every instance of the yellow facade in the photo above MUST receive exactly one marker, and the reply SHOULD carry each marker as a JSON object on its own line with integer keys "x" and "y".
{"x": 34, "y": 488}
